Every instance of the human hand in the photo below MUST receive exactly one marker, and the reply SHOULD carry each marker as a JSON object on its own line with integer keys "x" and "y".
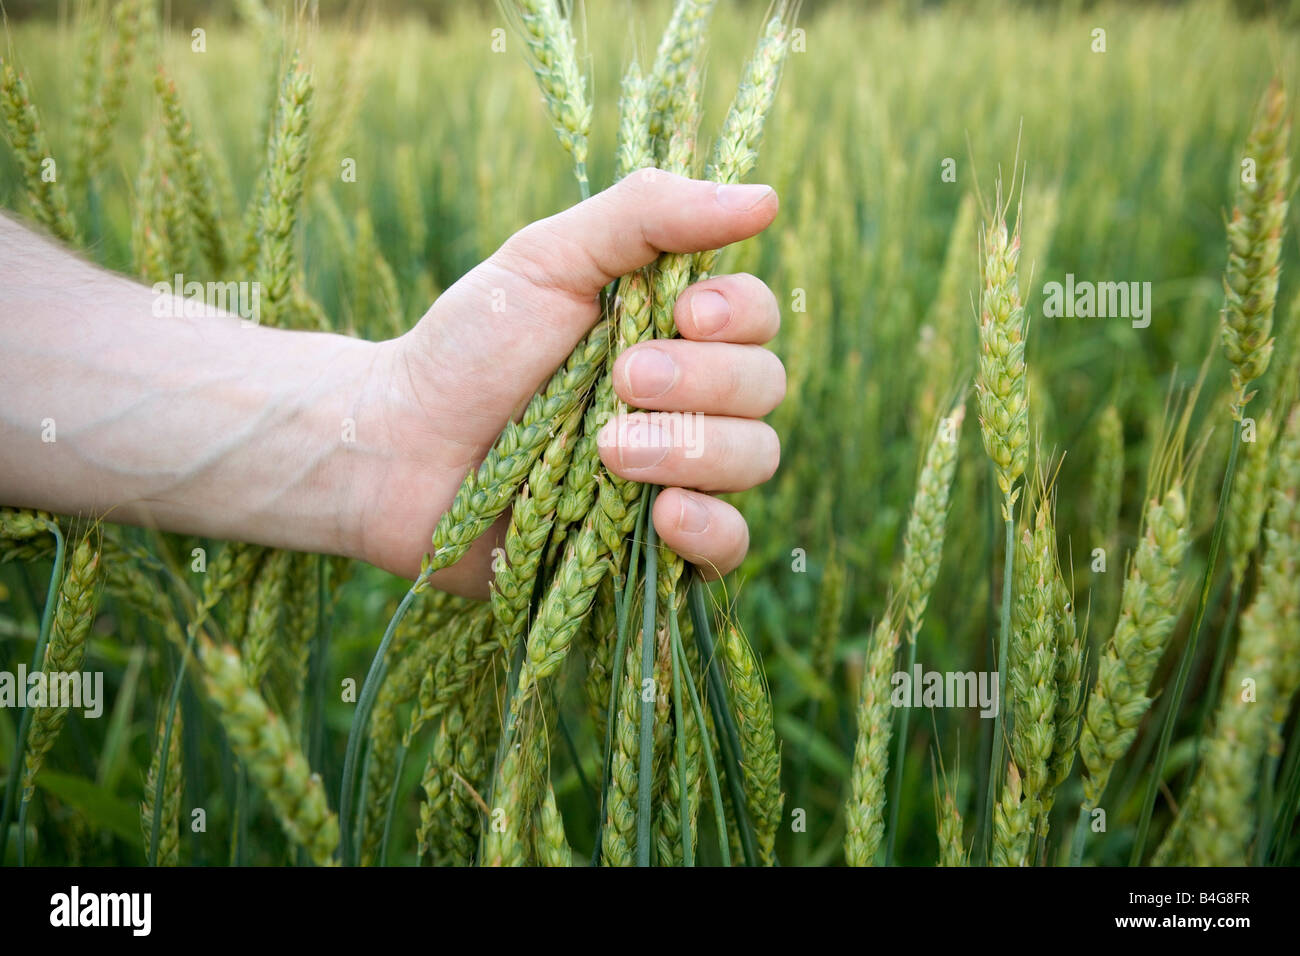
{"x": 443, "y": 392}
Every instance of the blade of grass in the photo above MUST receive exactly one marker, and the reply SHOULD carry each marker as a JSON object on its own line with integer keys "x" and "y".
{"x": 1290, "y": 806}
{"x": 572, "y": 747}
{"x": 1212, "y": 685}
{"x": 365, "y": 703}
{"x": 177, "y": 683}
{"x": 706, "y": 749}
{"x": 679, "y": 719}
{"x": 720, "y": 707}
{"x": 392, "y": 802}
{"x": 622, "y": 603}
{"x": 1004, "y": 633}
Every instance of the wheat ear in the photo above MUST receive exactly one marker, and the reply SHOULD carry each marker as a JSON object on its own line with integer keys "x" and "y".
{"x": 489, "y": 490}
{"x": 549, "y": 37}
{"x": 864, "y": 812}
{"x": 1148, "y": 609}
{"x": 736, "y": 150}
{"x": 261, "y": 740}
{"x": 46, "y": 195}
{"x": 200, "y": 195}
{"x": 126, "y": 29}
{"x": 1257, "y": 693}
{"x": 22, "y": 535}
{"x": 73, "y": 616}
{"x": 169, "y": 824}
{"x": 551, "y": 844}
{"x": 1254, "y": 246}
{"x": 286, "y": 172}
{"x": 678, "y": 53}
{"x": 760, "y": 757}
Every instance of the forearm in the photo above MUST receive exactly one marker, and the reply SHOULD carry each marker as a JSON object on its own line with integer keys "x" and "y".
{"x": 207, "y": 425}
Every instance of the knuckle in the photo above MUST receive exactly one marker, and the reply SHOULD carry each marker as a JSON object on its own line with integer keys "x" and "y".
{"x": 523, "y": 252}
{"x": 640, "y": 184}
{"x": 728, "y": 383}
{"x": 548, "y": 257}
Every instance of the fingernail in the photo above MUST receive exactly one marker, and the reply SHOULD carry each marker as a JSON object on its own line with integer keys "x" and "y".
{"x": 694, "y": 517}
{"x": 642, "y": 445}
{"x": 650, "y": 372}
{"x": 739, "y": 197}
{"x": 710, "y": 310}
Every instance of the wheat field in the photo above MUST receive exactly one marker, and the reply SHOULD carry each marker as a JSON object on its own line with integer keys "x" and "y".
{"x": 974, "y": 480}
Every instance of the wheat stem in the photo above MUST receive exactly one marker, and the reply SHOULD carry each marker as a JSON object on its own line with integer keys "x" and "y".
{"x": 24, "y": 722}
{"x": 645, "y": 753}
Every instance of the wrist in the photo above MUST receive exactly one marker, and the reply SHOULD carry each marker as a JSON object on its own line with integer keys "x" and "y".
{"x": 326, "y": 398}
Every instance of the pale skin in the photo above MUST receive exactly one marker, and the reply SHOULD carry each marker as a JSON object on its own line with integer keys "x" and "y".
{"x": 217, "y": 427}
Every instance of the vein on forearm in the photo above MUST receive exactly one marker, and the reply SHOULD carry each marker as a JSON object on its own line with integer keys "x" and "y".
{"x": 202, "y": 425}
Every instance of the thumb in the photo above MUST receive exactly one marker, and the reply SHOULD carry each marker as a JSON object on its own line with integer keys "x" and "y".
{"x": 588, "y": 246}
{"x": 509, "y": 323}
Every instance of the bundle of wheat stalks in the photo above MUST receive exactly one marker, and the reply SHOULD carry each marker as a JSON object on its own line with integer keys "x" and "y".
{"x": 581, "y": 562}
{"x": 582, "y": 579}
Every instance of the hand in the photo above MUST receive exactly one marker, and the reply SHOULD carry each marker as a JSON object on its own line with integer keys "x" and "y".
{"x": 207, "y": 425}
{"x": 444, "y": 391}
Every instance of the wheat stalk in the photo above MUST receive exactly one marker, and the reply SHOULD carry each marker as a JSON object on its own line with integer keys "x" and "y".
{"x": 549, "y": 38}
{"x": 168, "y": 850}
{"x": 286, "y": 172}
{"x": 73, "y": 616}
{"x": 1107, "y": 478}
{"x": 199, "y": 193}
{"x": 923, "y": 539}
{"x": 531, "y": 520}
{"x": 736, "y": 150}
{"x": 489, "y": 490}
{"x": 448, "y": 831}
{"x": 1257, "y": 693}
{"x": 1254, "y": 245}
{"x": 1148, "y": 610}
{"x": 952, "y": 842}
{"x": 1001, "y": 383}
{"x": 1012, "y": 820}
{"x": 1002, "y": 387}
{"x": 127, "y": 25}
{"x": 1248, "y": 498}
{"x": 864, "y": 812}
{"x": 635, "y": 146}
{"x": 264, "y": 746}
{"x": 46, "y": 195}
{"x": 919, "y": 568}
{"x": 760, "y": 760}
{"x": 21, "y": 535}
{"x": 678, "y": 55}
{"x": 267, "y": 597}
{"x": 551, "y": 845}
